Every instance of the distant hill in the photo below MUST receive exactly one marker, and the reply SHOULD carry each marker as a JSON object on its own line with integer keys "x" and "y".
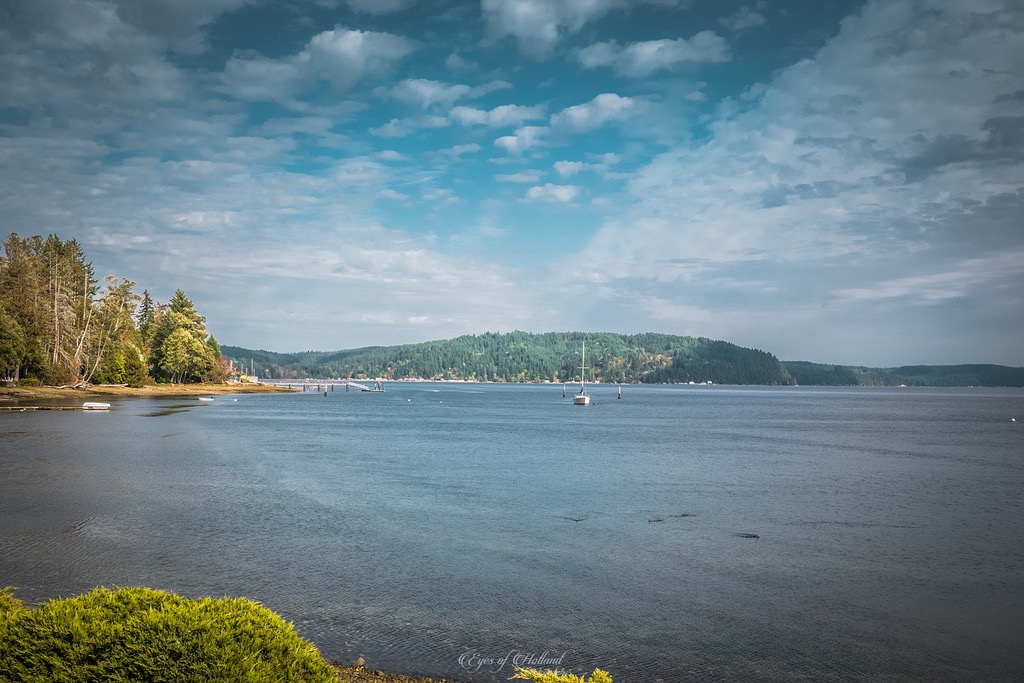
{"x": 640, "y": 358}
{"x": 525, "y": 357}
{"x": 809, "y": 374}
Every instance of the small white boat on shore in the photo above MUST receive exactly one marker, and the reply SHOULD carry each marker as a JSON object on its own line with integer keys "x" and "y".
{"x": 95, "y": 405}
{"x": 205, "y": 398}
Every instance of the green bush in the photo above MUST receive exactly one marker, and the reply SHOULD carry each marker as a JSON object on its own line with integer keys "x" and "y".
{"x": 536, "y": 676}
{"x": 141, "y": 634}
{"x": 10, "y": 605}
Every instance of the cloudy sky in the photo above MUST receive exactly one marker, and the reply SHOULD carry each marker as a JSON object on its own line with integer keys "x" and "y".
{"x": 828, "y": 180}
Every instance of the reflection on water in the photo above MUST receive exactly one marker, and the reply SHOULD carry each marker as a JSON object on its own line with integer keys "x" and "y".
{"x": 169, "y": 409}
{"x": 678, "y": 533}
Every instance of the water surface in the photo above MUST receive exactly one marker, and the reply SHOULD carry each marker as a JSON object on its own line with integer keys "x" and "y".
{"x": 432, "y": 528}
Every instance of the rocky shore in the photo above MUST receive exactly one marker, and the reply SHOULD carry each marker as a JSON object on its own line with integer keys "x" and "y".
{"x": 358, "y": 673}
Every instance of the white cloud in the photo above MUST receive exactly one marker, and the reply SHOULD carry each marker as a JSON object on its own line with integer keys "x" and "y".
{"x": 460, "y": 64}
{"x": 553, "y": 193}
{"x": 426, "y": 93}
{"x": 318, "y": 126}
{"x": 879, "y": 152}
{"x": 499, "y": 117}
{"x": 745, "y": 18}
{"x": 570, "y": 168}
{"x": 538, "y": 25}
{"x": 637, "y": 60}
{"x": 394, "y": 195}
{"x": 179, "y": 22}
{"x": 341, "y": 58}
{"x": 461, "y": 150}
{"x": 524, "y": 138}
{"x": 880, "y": 176}
{"x": 400, "y": 128}
{"x": 531, "y": 176}
{"x": 59, "y": 55}
{"x": 961, "y": 279}
{"x": 594, "y": 114}
{"x": 255, "y": 78}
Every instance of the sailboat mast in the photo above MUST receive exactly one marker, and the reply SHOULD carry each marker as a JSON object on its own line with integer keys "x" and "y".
{"x": 583, "y": 366}
{"x": 582, "y": 399}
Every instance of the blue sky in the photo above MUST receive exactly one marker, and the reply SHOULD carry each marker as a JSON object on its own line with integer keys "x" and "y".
{"x": 828, "y": 181}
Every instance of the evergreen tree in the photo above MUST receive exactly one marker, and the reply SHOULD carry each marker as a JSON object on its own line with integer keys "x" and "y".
{"x": 180, "y": 349}
{"x": 147, "y": 314}
{"x": 54, "y": 329}
{"x": 12, "y": 345}
{"x": 21, "y": 294}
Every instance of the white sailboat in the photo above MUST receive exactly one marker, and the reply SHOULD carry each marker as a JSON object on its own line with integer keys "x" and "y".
{"x": 582, "y": 398}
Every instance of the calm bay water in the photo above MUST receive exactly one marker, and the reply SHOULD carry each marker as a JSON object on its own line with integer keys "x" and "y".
{"x": 431, "y": 528}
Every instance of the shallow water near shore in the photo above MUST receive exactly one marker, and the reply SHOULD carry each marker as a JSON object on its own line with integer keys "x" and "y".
{"x": 724, "y": 533}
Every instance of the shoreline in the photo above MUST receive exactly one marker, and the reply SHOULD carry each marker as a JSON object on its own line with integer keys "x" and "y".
{"x": 356, "y": 673}
{"x": 19, "y": 394}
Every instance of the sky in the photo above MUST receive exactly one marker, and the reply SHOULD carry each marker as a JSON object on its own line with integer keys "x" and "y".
{"x": 831, "y": 180}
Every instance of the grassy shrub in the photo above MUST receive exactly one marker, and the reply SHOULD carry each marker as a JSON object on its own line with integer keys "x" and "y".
{"x": 141, "y": 634}
{"x": 10, "y": 606}
{"x": 536, "y": 676}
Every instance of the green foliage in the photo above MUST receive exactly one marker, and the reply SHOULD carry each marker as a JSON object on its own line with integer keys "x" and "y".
{"x": 598, "y": 676}
{"x": 12, "y": 344}
{"x": 140, "y": 634}
{"x": 146, "y": 314}
{"x": 959, "y": 375}
{"x": 55, "y": 328}
{"x": 525, "y": 357}
{"x": 818, "y": 374}
{"x": 123, "y": 364}
{"x": 181, "y": 349}
{"x": 10, "y": 606}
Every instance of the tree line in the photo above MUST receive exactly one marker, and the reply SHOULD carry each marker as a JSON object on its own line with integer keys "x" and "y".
{"x": 59, "y": 327}
{"x": 976, "y": 375}
{"x": 526, "y": 357}
{"x": 642, "y": 358}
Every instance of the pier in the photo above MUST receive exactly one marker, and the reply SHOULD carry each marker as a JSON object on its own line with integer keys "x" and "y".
{"x": 88, "y": 405}
{"x": 23, "y": 409}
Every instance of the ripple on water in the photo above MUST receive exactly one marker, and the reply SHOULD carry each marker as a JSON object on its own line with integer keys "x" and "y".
{"x": 414, "y": 533}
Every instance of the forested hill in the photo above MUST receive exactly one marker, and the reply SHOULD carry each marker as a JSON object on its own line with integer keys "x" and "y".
{"x": 525, "y": 357}
{"x": 909, "y": 375}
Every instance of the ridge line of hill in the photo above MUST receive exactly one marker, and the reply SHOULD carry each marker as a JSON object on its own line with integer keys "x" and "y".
{"x": 649, "y": 358}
